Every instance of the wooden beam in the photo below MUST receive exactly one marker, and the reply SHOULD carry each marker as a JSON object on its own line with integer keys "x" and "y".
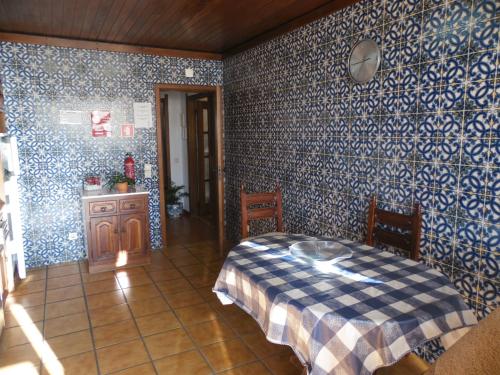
{"x": 317, "y": 13}
{"x": 102, "y": 46}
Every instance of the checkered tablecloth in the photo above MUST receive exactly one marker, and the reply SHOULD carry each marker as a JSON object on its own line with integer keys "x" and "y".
{"x": 353, "y": 317}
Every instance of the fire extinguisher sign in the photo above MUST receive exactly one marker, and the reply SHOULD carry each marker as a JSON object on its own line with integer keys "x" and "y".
{"x": 127, "y": 131}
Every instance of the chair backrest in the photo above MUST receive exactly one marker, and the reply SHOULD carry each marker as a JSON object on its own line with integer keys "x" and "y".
{"x": 408, "y": 236}
{"x": 272, "y": 208}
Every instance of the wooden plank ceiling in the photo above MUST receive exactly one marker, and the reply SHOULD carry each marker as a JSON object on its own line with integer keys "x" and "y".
{"x": 217, "y": 26}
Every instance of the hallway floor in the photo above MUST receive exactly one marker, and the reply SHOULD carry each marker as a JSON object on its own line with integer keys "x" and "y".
{"x": 189, "y": 229}
{"x": 157, "y": 319}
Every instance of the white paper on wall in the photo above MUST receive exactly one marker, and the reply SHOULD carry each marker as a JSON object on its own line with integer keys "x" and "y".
{"x": 143, "y": 117}
{"x": 70, "y": 117}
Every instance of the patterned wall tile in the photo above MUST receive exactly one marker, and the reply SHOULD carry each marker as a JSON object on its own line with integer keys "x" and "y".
{"x": 424, "y": 129}
{"x": 38, "y": 81}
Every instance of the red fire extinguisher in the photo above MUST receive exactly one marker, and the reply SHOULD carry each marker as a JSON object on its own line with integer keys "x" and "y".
{"x": 129, "y": 166}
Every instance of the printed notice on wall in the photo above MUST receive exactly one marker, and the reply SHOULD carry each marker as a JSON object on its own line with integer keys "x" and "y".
{"x": 101, "y": 123}
{"x": 142, "y": 116}
{"x": 70, "y": 117}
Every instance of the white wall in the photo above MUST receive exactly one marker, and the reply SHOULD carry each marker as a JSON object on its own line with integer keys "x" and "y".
{"x": 178, "y": 141}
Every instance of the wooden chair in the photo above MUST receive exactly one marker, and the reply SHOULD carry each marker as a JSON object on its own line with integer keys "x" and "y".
{"x": 409, "y": 240}
{"x": 272, "y": 208}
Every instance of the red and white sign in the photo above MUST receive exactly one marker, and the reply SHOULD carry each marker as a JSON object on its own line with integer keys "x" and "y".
{"x": 101, "y": 123}
{"x": 127, "y": 131}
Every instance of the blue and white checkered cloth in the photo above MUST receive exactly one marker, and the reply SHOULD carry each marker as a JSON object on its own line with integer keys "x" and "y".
{"x": 352, "y": 317}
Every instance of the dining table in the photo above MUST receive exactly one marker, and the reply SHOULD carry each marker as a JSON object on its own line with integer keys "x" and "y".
{"x": 348, "y": 317}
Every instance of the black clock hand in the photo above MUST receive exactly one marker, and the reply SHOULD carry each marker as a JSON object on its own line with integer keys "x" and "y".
{"x": 362, "y": 61}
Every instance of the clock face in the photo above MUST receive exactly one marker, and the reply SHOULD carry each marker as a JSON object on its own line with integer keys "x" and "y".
{"x": 364, "y": 60}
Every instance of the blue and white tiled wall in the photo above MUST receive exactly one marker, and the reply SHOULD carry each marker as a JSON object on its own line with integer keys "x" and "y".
{"x": 425, "y": 129}
{"x": 38, "y": 81}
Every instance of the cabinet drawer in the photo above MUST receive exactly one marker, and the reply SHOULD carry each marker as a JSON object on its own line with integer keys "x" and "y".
{"x": 102, "y": 208}
{"x": 132, "y": 205}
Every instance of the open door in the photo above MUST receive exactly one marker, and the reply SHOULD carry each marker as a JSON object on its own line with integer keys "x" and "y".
{"x": 202, "y": 157}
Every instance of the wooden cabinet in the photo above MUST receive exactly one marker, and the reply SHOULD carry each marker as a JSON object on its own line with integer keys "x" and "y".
{"x": 117, "y": 231}
{"x": 102, "y": 208}
{"x": 132, "y": 233}
{"x": 104, "y": 239}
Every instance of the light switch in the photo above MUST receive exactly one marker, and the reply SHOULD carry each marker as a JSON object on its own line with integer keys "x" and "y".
{"x": 147, "y": 170}
{"x": 189, "y": 72}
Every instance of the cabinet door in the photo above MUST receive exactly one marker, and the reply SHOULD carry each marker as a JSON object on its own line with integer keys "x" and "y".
{"x": 133, "y": 234}
{"x": 104, "y": 238}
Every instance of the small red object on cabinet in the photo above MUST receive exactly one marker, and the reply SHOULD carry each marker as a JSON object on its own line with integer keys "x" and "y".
{"x": 129, "y": 166}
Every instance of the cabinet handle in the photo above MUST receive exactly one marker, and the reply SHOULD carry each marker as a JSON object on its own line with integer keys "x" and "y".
{"x": 132, "y": 205}
{"x": 123, "y": 230}
{"x": 116, "y": 231}
{"x": 103, "y": 209}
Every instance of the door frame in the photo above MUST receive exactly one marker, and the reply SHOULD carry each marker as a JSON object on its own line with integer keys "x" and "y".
{"x": 165, "y": 125}
{"x": 219, "y": 149}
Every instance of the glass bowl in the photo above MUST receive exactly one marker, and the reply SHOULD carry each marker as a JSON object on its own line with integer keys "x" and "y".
{"x": 321, "y": 251}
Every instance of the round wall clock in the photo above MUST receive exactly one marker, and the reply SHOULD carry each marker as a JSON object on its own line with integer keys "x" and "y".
{"x": 364, "y": 60}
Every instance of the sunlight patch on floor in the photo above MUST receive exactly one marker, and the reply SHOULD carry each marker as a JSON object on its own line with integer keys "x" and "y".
{"x": 35, "y": 339}
{"x": 24, "y": 368}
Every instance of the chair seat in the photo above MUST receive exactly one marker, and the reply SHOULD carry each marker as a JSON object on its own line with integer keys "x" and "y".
{"x": 410, "y": 364}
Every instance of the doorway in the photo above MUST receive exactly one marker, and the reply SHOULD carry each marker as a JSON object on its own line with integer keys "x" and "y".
{"x": 202, "y": 156}
{"x": 189, "y": 137}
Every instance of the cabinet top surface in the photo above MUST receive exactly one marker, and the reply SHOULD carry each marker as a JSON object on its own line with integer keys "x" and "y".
{"x": 105, "y": 193}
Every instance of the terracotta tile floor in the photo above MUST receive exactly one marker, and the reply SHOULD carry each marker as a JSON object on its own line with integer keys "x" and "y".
{"x": 189, "y": 229}
{"x": 157, "y": 319}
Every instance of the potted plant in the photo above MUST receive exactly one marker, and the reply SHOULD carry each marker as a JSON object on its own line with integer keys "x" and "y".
{"x": 174, "y": 195}
{"x": 120, "y": 182}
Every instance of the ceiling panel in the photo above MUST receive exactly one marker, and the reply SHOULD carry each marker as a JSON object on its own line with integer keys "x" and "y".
{"x": 198, "y": 25}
